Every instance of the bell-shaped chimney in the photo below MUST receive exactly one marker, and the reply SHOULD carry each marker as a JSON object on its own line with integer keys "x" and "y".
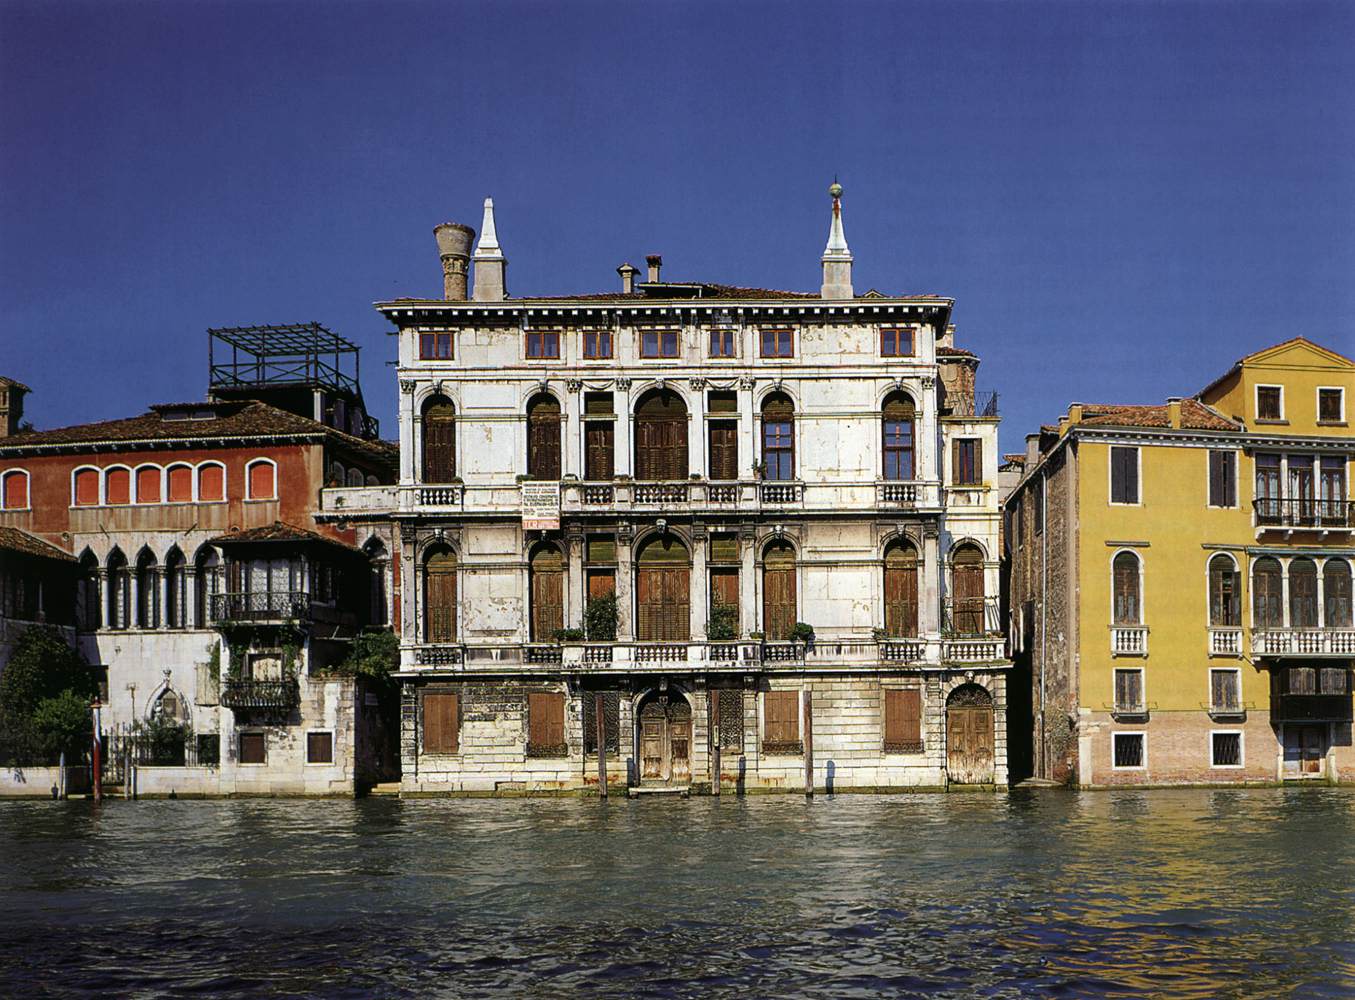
{"x": 454, "y": 242}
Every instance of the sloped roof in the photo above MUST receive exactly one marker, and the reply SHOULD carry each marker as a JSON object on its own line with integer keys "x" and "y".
{"x": 279, "y": 531}
{"x": 1194, "y": 416}
{"x": 17, "y": 540}
{"x": 710, "y": 290}
{"x": 1260, "y": 355}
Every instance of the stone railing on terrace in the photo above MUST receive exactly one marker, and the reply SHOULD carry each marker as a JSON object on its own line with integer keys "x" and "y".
{"x": 1303, "y": 641}
{"x": 1128, "y": 640}
{"x": 1225, "y": 640}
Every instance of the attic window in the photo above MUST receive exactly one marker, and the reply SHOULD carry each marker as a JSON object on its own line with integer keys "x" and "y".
{"x": 188, "y": 413}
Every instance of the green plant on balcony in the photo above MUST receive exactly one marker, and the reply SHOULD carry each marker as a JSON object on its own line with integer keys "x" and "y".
{"x": 568, "y": 635}
{"x": 802, "y": 632}
{"x": 599, "y": 618}
{"x": 724, "y": 622}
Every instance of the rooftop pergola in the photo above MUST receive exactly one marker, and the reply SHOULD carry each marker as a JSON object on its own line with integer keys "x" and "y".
{"x": 242, "y": 357}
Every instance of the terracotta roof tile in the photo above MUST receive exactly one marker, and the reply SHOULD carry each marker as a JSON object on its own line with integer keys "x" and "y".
{"x": 279, "y": 531}
{"x": 958, "y": 352}
{"x": 1194, "y": 416}
{"x": 17, "y": 540}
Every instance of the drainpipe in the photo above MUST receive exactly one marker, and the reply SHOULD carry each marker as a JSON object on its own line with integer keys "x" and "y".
{"x": 1044, "y": 613}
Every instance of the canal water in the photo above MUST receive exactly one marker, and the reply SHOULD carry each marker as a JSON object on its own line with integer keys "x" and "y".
{"x": 1200, "y": 893}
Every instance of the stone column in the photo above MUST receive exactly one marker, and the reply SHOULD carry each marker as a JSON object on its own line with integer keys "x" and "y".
{"x": 748, "y": 588}
{"x": 573, "y": 428}
{"x": 698, "y": 585}
{"x": 621, "y": 447}
{"x": 625, "y": 630}
{"x": 748, "y": 449}
{"x": 928, "y": 460}
{"x": 929, "y": 600}
{"x": 410, "y": 443}
{"x": 696, "y": 429}
{"x": 574, "y": 580}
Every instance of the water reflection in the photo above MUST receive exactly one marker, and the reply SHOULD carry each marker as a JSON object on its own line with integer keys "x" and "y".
{"x": 1204, "y": 893}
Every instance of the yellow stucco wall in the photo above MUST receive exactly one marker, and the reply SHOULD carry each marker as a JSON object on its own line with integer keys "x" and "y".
{"x": 1301, "y": 368}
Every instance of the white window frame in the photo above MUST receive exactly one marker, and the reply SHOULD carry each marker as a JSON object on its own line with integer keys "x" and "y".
{"x": 192, "y": 482}
{"x": 1241, "y": 749}
{"x": 197, "y": 481}
{"x": 332, "y": 747}
{"x": 1115, "y": 736}
{"x": 1110, "y": 475}
{"x": 1236, "y": 672}
{"x": 1143, "y": 690}
{"x": 249, "y": 497}
{"x": 137, "y": 502}
{"x": 1317, "y": 403}
{"x": 1237, "y": 479}
{"x": 1256, "y": 402}
{"x": 28, "y": 488}
{"x": 1143, "y": 595}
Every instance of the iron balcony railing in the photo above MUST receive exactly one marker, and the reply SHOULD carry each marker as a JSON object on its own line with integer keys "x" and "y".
{"x": 1274, "y": 512}
{"x": 266, "y": 605}
{"x": 971, "y": 616}
{"x": 274, "y": 695}
{"x": 982, "y": 403}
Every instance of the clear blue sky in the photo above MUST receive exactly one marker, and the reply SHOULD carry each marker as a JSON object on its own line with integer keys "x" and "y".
{"x": 1122, "y": 198}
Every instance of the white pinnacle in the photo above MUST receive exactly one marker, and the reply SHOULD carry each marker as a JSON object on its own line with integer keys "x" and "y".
{"x": 489, "y": 239}
{"x": 837, "y": 240}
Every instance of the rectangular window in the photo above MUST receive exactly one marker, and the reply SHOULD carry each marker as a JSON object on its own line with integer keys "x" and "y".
{"x": 180, "y": 484}
{"x": 253, "y": 749}
{"x": 896, "y": 342}
{"x": 1331, "y": 406}
{"x": 319, "y": 748}
{"x": 599, "y": 450}
{"x": 724, "y": 450}
{"x": 543, "y": 344}
{"x": 722, "y": 343}
{"x": 1335, "y": 680}
{"x": 967, "y": 462}
{"x": 1267, "y": 500}
{"x": 1225, "y": 690}
{"x": 435, "y": 346}
{"x": 1269, "y": 402}
{"x": 778, "y": 343}
{"x": 731, "y": 719}
{"x": 724, "y": 603}
{"x": 1124, "y": 475}
{"x": 659, "y": 344}
{"x": 1223, "y": 479}
{"x": 1332, "y": 490}
{"x": 209, "y": 746}
{"x": 611, "y": 721}
{"x": 781, "y": 722}
{"x": 597, "y": 344}
{"x": 1129, "y": 690}
{"x": 903, "y": 721}
{"x": 546, "y": 725}
{"x": 1225, "y": 749}
{"x": 1301, "y": 680}
{"x": 441, "y": 723}
{"x": 1128, "y": 750}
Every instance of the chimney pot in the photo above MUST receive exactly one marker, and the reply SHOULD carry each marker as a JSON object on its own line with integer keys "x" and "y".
{"x": 628, "y": 271}
{"x": 655, "y": 262}
{"x": 454, "y": 242}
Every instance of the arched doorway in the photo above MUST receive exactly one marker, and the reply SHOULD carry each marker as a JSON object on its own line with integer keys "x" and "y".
{"x": 665, "y": 737}
{"x": 901, "y": 590}
{"x": 969, "y": 736}
{"x": 661, "y": 436}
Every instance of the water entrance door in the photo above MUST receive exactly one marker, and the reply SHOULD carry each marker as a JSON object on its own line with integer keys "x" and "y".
{"x": 666, "y": 740}
{"x": 1305, "y": 747}
{"x": 969, "y": 736}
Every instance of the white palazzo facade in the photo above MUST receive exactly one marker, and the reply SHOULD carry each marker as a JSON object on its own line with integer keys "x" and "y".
{"x": 755, "y": 529}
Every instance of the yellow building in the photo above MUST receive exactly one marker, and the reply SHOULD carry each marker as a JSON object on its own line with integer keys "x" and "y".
{"x": 1180, "y": 582}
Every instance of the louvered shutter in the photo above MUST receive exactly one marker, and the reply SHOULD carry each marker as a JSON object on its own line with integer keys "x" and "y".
{"x": 548, "y": 603}
{"x": 545, "y": 722}
{"x": 724, "y": 451}
{"x": 903, "y": 721}
{"x": 599, "y": 452}
{"x": 440, "y": 723}
{"x": 901, "y": 594}
{"x": 780, "y": 719}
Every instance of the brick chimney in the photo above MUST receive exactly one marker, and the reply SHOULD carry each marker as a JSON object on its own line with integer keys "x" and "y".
{"x": 11, "y": 405}
{"x": 454, "y": 242}
{"x": 655, "y": 262}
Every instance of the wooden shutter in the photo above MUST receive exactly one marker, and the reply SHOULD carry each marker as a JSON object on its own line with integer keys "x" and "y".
{"x": 543, "y": 440}
{"x": 118, "y": 486}
{"x": 546, "y": 723}
{"x": 252, "y": 748}
{"x": 440, "y": 598}
{"x": 261, "y": 481}
{"x": 319, "y": 748}
{"x": 180, "y": 484}
{"x": 599, "y": 453}
{"x": 677, "y": 603}
{"x": 86, "y": 488}
{"x": 1302, "y": 594}
{"x": 903, "y": 721}
{"x": 664, "y": 603}
{"x": 1124, "y": 475}
{"x": 441, "y": 723}
{"x": 901, "y": 592}
{"x": 439, "y": 443}
{"x": 211, "y": 483}
{"x": 724, "y": 586}
{"x": 147, "y": 485}
{"x": 780, "y": 720}
{"x": 967, "y": 581}
{"x": 16, "y": 491}
{"x": 966, "y": 461}
{"x": 1126, "y": 582}
{"x": 724, "y": 450}
{"x": 778, "y": 592}
{"x": 548, "y": 594}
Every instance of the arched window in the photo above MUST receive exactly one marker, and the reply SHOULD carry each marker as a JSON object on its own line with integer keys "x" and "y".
{"x": 663, "y": 590}
{"x": 85, "y": 488}
{"x": 211, "y": 482}
{"x": 546, "y": 568}
{"x": 439, "y": 440}
{"x": 661, "y": 436}
{"x": 439, "y": 594}
{"x": 118, "y": 486}
{"x": 543, "y": 437}
{"x": 966, "y": 569}
{"x": 87, "y": 616}
{"x": 335, "y": 474}
{"x": 1126, "y": 606}
{"x": 1336, "y": 593}
{"x": 180, "y": 481}
{"x": 168, "y": 707}
{"x": 176, "y": 590}
{"x": 14, "y": 490}
{"x": 898, "y": 436}
{"x": 354, "y": 477}
{"x": 208, "y": 566}
{"x": 261, "y": 480}
{"x": 119, "y": 590}
{"x": 778, "y": 437}
{"x": 148, "y": 484}
{"x": 901, "y": 589}
{"x": 778, "y": 590}
{"x": 1303, "y": 594}
{"x": 147, "y": 591}
{"x": 1224, "y": 606}
{"x": 378, "y": 562}
{"x": 1267, "y": 592}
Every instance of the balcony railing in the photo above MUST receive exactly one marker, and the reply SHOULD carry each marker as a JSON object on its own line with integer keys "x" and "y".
{"x": 1128, "y": 640}
{"x": 902, "y": 650}
{"x": 660, "y": 493}
{"x": 896, "y": 494}
{"x": 440, "y": 496}
{"x": 972, "y": 650}
{"x": 262, "y": 606}
{"x": 439, "y": 654}
{"x": 971, "y": 616}
{"x": 1271, "y": 512}
{"x": 1303, "y": 641}
{"x": 778, "y": 493}
{"x": 1225, "y": 641}
{"x": 274, "y": 695}
{"x": 598, "y": 494}
{"x": 977, "y": 404}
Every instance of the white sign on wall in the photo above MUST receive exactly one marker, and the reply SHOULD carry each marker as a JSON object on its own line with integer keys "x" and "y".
{"x": 540, "y": 506}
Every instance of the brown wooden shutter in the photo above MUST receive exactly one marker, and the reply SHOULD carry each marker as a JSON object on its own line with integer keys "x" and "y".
{"x": 724, "y": 450}
{"x": 599, "y": 454}
{"x": 724, "y": 586}
{"x": 543, "y": 439}
{"x": 319, "y": 748}
{"x": 780, "y": 720}
{"x": 901, "y": 593}
{"x": 440, "y": 602}
{"x": 439, "y": 443}
{"x": 253, "y": 749}
{"x": 548, "y": 602}
{"x": 180, "y": 484}
{"x": 546, "y": 722}
{"x": 261, "y": 481}
{"x": 903, "y": 721}
{"x": 87, "y": 488}
{"x": 441, "y": 723}
{"x": 967, "y": 579}
{"x": 118, "y": 486}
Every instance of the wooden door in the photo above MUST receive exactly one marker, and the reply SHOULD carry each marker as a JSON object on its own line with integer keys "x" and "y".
{"x": 778, "y": 601}
{"x": 543, "y": 440}
{"x": 679, "y": 741}
{"x": 652, "y": 732}
{"x": 548, "y": 595}
{"x": 969, "y": 737}
{"x": 664, "y": 604}
{"x": 439, "y": 443}
{"x": 1313, "y": 748}
{"x": 901, "y": 592}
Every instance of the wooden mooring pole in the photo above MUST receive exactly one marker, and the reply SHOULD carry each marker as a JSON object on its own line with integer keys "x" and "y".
{"x": 600, "y": 717}
{"x": 98, "y": 765}
{"x": 809, "y": 743}
{"x": 712, "y": 729}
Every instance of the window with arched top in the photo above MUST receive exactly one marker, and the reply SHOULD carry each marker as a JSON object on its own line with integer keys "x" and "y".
{"x": 179, "y": 484}
{"x": 168, "y": 707}
{"x": 176, "y": 590}
{"x": 967, "y": 590}
{"x": 88, "y": 615}
{"x": 377, "y": 564}
{"x": 118, "y": 486}
{"x": 354, "y": 478}
{"x": 1302, "y": 594}
{"x": 1225, "y": 608}
{"x": 543, "y": 437}
{"x": 208, "y": 576}
{"x": 439, "y": 594}
{"x": 663, "y": 590}
{"x": 898, "y": 423}
{"x": 439, "y": 440}
{"x": 14, "y": 490}
{"x": 1267, "y": 590}
{"x": 901, "y": 589}
{"x": 1126, "y": 604}
{"x": 119, "y": 590}
{"x": 148, "y": 485}
{"x": 147, "y": 591}
{"x": 1336, "y": 593}
{"x": 778, "y": 437}
{"x": 261, "y": 480}
{"x": 85, "y": 487}
{"x": 546, "y": 572}
{"x": 211, "y": 482}
{"x": 661, "y": 436}
{"x": 778, "y": 590}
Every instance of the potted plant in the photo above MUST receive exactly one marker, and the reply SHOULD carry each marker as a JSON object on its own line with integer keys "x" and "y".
{"x": 724, "y": 623}
{"x": 803, "y": 632}
{"x": 568, "y": 635}
{"x": 599, "y": 618}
